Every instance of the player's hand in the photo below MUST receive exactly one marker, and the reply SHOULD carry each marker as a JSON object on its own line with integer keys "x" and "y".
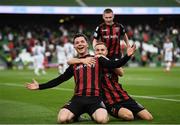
{"x": 131, "y": 50}
{"x": 89, "y": 61}
{"x": 33, "y": 86}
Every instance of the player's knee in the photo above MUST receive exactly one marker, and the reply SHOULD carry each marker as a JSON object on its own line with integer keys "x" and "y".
{"x": 148, "y": 117}
{"x": 101, "y": 116}
{"x": 62, "y": 119}
{"x": 64, "y": 116}
{"x": 102, "y": 119}
{"x": 125, "y": 114}
{"x": 145, "y": 115}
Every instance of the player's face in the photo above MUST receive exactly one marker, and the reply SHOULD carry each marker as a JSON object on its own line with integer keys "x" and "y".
{"x": 81, "y": 45}
{"x": 108, "y": 18}
{"x": 167, "y": 40}
{"x": 101, "y": 50}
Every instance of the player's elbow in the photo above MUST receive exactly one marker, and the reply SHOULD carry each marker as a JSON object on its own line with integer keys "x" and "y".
{"x": 119, "y": 71}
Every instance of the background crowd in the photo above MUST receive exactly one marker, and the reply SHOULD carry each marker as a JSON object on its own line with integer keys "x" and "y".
{"x": 19, "y": 34}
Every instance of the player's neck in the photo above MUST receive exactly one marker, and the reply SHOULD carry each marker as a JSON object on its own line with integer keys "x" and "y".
{"x": 110, "y": 24}
{"x": 83, "y": 54}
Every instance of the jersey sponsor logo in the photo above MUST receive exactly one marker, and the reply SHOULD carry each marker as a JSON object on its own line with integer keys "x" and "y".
{"x": 104, "y": 30}
{"x": 83, "y": 66}
{"x": 110, "y": 36}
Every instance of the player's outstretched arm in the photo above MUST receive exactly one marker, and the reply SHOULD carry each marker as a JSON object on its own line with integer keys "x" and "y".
{"x": 34, "y": 85}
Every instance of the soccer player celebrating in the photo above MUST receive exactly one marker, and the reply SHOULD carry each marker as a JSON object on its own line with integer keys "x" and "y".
{"x": 87, "y": 78}
{"x": 118, "y": 103}
{"x": 110, "y": 33}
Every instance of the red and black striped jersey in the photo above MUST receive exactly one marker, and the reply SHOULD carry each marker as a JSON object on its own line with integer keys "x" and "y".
{"x": 87, "y": 79}
{"x": 110, "y": 35}
{"x": 111, "y": 89}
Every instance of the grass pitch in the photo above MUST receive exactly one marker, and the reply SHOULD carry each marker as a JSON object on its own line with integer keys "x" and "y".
{"x": 158, "y": 91}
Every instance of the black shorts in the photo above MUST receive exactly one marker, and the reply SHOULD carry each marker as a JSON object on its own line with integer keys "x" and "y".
{"x": 83, "y": 104}
{"x": 130, "y": 104}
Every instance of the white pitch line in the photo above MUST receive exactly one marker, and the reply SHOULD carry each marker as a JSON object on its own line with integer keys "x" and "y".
{"x": 156, "y": 98}
{"x": 167, "y": 95}
{"x": 23, "y": 85}
{"x": 178, "y": 1}
{"x": 67, "y": 89}
{"x": 81, "y": 3}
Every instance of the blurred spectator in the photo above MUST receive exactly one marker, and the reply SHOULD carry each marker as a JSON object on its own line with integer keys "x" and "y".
{"x": 149, "y": 38}
{"x": 38, "y": 55}
{"x": 61, "y": 56}
{"x": 168, "y": 53}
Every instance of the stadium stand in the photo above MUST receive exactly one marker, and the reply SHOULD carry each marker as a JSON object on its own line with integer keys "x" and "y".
{"x": 20, "y": 32}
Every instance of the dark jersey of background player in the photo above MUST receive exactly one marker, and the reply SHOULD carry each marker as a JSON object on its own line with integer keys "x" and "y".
{"x": 110, "y": 35}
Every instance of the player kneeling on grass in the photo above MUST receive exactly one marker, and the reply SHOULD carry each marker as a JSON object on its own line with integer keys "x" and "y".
{"x": 87, "y": 92}
{"x": 118, "y": 103}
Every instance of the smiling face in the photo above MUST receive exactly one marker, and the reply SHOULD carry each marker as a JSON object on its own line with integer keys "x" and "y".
{"x": 101, "y": 49}
{"x": 81, "y": 46}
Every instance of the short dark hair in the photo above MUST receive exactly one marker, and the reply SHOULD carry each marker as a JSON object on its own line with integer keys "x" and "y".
{"x": 80, "y": 35}
{"x": 108, "y": 10}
